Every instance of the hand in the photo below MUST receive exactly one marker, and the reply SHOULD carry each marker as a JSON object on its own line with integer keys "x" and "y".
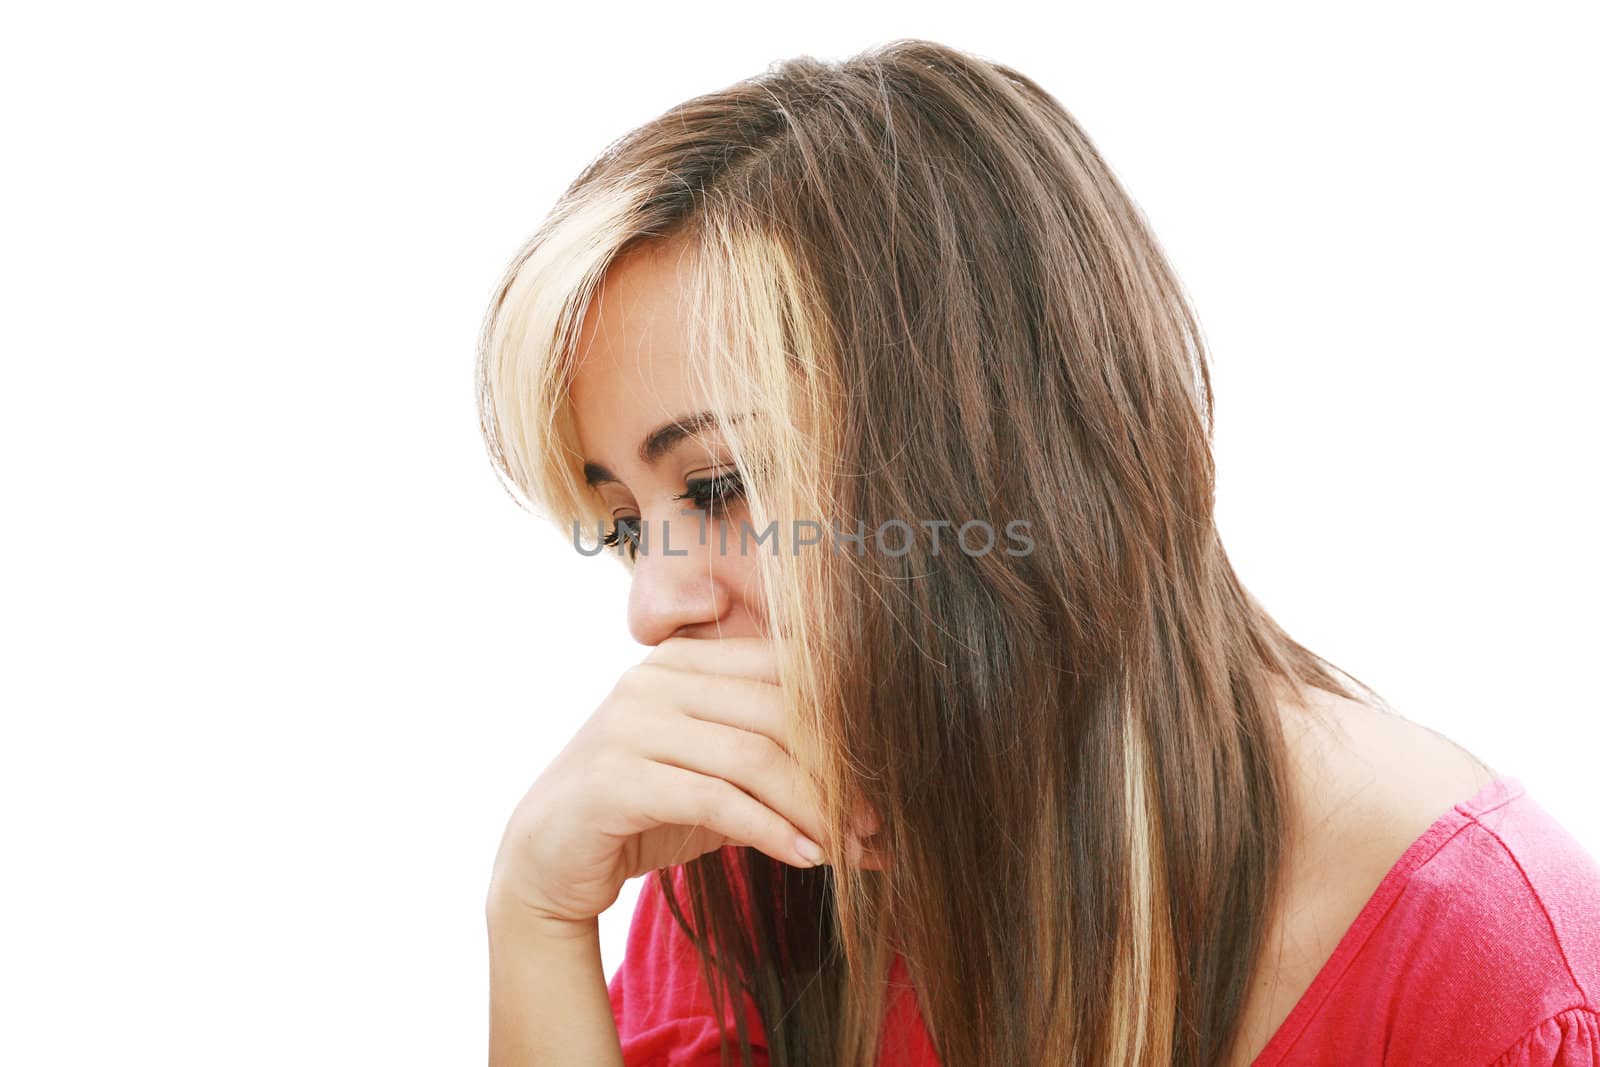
{"x": 690, "y": 751}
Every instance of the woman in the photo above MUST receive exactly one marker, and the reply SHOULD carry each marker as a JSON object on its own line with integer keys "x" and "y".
{"x": 901, "y": 422}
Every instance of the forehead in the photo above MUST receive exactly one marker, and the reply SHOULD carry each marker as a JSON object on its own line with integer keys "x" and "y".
{"x": 631, "y": 372}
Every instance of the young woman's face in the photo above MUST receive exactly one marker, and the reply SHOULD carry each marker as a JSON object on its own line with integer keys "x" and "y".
{"x": 631, "y": 382}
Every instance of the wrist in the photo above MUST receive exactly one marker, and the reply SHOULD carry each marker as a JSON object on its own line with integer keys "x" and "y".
{"x": 510, "y": 916}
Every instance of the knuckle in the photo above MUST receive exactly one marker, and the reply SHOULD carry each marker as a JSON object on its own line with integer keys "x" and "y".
{"x": 666, "y": 651}
{"x": 640, "y": 680}
{"x": 708, "y": 801}
{"x": 753, "y": 751}
{"x": 738, "y": 746}
{"x": 757, "y": 827}
{"x": 633, "y": 678}
{"x": 772, "y": 757}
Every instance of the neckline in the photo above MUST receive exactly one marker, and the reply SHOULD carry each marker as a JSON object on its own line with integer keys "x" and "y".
{"x": 1502, "y": 789}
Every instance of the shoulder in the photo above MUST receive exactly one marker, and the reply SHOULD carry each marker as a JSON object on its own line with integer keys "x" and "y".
{"x": 1512, "y": 870}
{"x": 1388, "y": 800}
{"x": 1460, "y": 908}
{"x": 1497, "y": 922}
{"x": 1568, "y": 1039}
{"x": 1387, "y": 792}
{"x": 1366, "y": 785}
{"x": 1375, "y": 777}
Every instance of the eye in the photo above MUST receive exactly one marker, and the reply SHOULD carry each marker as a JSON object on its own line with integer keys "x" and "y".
{"x": 626, "y": 529}
{"x": 713, "y": 495}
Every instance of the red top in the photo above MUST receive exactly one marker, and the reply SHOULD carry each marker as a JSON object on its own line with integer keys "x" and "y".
{"x": 1480, "y": 946}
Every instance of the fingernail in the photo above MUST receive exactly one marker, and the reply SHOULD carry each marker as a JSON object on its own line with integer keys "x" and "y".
{"x": 809, "y": 850}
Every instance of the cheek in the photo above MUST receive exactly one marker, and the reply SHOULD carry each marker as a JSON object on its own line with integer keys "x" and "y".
{"x": 740, "y": 570}
{"x": 739, "y": 566}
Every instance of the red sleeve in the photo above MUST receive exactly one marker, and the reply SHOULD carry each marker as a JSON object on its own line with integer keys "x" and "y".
{"x": 1481, "y": 946}
{"x": 659, "y": 997}
{"x": 663, "y": 1009}
{"x": 1570, "y": 1039}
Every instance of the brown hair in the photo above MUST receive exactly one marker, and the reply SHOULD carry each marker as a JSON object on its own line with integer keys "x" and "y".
{"x": 917, "y": 263}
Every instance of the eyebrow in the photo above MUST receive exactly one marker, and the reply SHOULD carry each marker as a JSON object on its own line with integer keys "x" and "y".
{"x": 657, "y": 443}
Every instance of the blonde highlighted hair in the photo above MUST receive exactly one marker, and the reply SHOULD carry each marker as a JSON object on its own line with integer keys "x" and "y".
{"x": 917, "y": 271}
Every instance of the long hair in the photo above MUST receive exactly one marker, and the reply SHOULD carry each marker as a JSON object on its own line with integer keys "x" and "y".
{"x": 916, "y": 268}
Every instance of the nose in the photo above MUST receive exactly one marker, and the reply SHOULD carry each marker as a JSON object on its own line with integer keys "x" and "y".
{"x": 675, "y": 584}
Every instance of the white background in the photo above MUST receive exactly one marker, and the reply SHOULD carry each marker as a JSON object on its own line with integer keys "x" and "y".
{"x": 280, "y": 656}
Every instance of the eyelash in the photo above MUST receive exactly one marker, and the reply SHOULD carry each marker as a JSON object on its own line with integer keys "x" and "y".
{"x": 710, "y": 495}
{"x": 617, "y": 534}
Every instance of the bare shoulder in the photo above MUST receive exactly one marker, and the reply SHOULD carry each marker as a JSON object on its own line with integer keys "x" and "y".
{"x": 1372, "y": 777}
{"x": 1365, "y": 783}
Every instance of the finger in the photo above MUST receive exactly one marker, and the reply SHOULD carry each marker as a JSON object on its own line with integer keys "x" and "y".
{"x": 685, "y": 798}
{"x": 752, "y": 761}
{"x": 739, "y": 702}
{"x": 753, "y": 658}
